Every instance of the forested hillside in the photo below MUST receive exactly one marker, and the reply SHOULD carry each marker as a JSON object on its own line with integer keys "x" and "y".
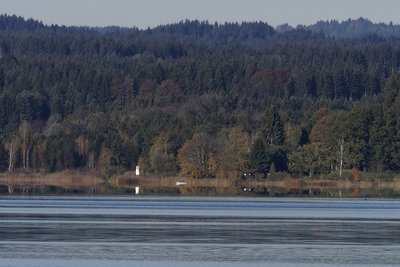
{"x": 197, "y": 99}
{"x": 356, "y": 28}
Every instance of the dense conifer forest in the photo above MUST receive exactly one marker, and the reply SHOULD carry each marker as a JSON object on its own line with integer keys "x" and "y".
{"x": 200, "y": 99}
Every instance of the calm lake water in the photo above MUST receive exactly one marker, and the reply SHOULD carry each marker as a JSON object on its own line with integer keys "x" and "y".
{"x": 198, "y": 231}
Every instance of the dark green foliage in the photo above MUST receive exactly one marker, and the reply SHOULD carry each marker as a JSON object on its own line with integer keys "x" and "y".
{"x": 272, "y": 131}
{"x": 259, "y": 159}
{"x": 357, "y": 28}
{"x": 356, "y": 135}
{"x": 279, "y": 161}
{"x": 98, "y": 98}
{"x": 3, "y": 157}
{"x": 391, "y": 92}
{"x": 385, "y": 135}
{"x": 303, "y": 138}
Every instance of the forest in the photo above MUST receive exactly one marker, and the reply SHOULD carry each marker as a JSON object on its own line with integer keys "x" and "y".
{"x": 200, "y": 99}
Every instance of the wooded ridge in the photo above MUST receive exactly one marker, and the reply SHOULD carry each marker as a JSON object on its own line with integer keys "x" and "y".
{"x": 200, "y": 100}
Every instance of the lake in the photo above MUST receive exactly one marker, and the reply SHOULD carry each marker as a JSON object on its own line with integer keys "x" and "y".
{"x": 198, "y": 231}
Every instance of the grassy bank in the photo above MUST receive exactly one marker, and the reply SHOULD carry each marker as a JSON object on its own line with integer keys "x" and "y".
{"x": 86, "y": 182}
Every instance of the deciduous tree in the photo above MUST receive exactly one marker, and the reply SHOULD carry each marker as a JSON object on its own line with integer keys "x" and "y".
{"x": 196, "y": 158}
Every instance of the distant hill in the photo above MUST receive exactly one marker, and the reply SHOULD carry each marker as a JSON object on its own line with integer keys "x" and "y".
{"x": 226, "y": 32}
{"x": 355, "y": 28}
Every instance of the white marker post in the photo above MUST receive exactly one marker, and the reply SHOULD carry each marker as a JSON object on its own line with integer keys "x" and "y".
{"x": 137, "y": 171}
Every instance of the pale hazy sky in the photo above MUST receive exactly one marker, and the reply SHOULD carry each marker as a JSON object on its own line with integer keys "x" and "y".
{"x": 150, "y": 13}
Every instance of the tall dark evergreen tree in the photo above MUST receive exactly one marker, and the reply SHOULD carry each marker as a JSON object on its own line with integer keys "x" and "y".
{"x": 259, "y": 159}
{"x": 303, "y": 137}
{"x": 272, "y": 130}
{"x": 391, "y": 126}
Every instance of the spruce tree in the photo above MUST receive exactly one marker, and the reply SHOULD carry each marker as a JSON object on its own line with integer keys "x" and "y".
{"x": 259, "y": 158}
{"x": 272, "y": 130}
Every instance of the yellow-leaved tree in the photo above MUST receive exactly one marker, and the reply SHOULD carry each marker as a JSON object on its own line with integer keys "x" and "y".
{"x": 197, "y": 157}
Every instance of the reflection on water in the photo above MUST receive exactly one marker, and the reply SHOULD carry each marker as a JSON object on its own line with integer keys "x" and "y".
{"x": 108, "y": 189}
{"x": 197, "y": 231}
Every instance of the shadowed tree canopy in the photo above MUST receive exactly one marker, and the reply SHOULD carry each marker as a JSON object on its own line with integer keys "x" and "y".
{"x": 190, "y": 98}
{"x": 272, "y": 130}
{"x": 259, "y": 159}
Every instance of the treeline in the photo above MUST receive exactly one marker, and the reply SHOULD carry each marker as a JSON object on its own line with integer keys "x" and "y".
{"x": 195, "y": 98}
{"x": 356, "y": 28}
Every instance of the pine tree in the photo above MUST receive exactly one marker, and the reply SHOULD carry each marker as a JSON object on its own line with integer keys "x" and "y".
{"x": 391, "y": 110}
{"x": 272, "y": 129}
{"x": 303, "y": 138}
{"x": 259, "y": 158}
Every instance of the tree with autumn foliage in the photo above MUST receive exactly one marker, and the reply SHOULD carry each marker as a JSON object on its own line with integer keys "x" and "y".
{"x": 232, "y": 152}
{"x": 193, "y": 98}
{"x": 162, "y": 159}
{"x": 197, "y": 157}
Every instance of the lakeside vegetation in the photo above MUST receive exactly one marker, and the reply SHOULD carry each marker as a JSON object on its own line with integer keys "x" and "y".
{"x": 201, "y": 100}
{"x": 78, "y": 182}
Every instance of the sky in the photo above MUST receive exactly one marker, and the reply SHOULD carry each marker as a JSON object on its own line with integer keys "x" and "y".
{"x": 150, "y": 13}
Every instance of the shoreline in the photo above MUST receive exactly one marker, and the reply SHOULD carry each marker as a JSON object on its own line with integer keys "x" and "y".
{"x": 90, "y": 182}
{"x": 73, "y": 179}
{"x": 127, "y": 180}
